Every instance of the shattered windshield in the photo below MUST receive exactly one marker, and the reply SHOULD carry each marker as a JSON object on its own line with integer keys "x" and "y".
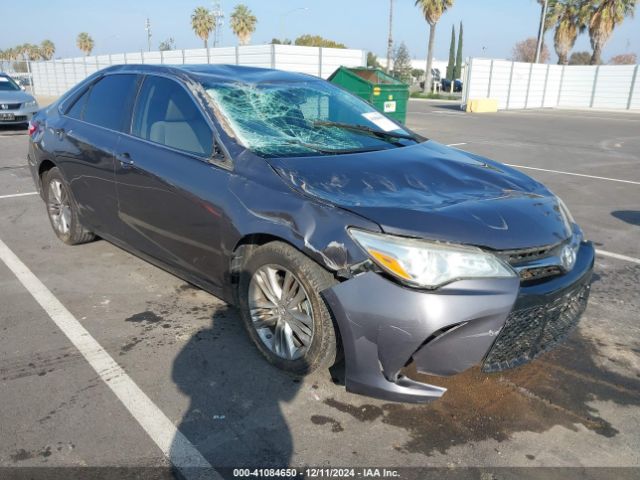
{"x": 303, "y": 118}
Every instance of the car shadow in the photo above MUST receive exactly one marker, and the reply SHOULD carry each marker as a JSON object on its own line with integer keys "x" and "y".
{"x": 234, "y": 416}
{"x": 630, "y": 216}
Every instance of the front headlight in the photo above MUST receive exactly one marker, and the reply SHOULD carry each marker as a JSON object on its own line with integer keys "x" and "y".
{"x": 30, "y": 104}
{"x": 428, "y": 264}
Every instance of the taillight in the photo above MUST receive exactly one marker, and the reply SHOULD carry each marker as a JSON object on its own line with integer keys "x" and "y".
{"x": 33, "y": 127}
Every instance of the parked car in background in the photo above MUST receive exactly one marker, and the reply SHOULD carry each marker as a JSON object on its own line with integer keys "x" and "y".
{"x": 16, "y": 106}
{"x": 330, "y": 226}
{"x": 24, "y": 81}
{"x": 445, "y": 85}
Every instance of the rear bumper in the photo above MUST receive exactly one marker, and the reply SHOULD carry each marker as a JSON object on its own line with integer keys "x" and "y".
{"x": 385, "y": 326}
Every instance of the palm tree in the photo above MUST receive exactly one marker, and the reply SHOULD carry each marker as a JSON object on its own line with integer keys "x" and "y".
{"x": 33, "y": 52}
{"x": 243, "y": 23}
{"x": 203, "y": 23}
{"x": 606, "y": 16}
{"x": 47, "y": 49}
{"x": 85, "y": 43}
{"x": 569, "y": 17}
{"x": 11, "y": 54}
{"x": 432, "y": 10}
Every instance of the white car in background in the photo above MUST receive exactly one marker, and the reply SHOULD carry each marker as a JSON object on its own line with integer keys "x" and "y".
{"x": 16, "y": 105}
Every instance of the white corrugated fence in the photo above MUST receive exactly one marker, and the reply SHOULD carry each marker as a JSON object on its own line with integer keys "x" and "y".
{"x": 518, "y": 85}
{"x": 55, "y": 77}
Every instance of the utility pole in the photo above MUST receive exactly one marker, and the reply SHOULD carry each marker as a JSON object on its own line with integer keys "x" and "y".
{"x": 147, "y": 27}
{"x": 543, "y": 16}
{"x": 390, "y": 40}
{"x": 218, "y": 22}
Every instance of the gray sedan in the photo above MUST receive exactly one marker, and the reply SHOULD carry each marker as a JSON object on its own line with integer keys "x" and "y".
{"x": 16, "y": 106}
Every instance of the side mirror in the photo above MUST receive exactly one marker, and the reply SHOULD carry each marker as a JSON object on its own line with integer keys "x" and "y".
{"x": 22, "y": 87}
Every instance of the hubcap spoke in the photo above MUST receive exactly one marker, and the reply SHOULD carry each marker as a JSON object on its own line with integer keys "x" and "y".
{"x": 263, "y": 283}
{"x": 302, "y": 331}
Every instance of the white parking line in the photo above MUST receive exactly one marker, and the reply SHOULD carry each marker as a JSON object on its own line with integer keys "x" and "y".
{"x": 632, "y": 182}
{"x": 173, "y": 444}
{"x": 604, "y": 253}
{"x": 18, "y": 195}
{"x": 455, "y": 144}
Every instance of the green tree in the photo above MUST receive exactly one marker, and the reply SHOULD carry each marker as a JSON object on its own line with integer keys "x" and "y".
{"x": 317, "y": 41}
{"x": 277, "y": 41}
{"x": 417, "y": 73}
{"x": 432, "y": 11}
{"x": 452, "y": 54}
{"x": 402, "y": 64}
{"x": 580, "y": 58}
{"x": 606, "y": 16}
{"x": 168, "y": 44}
{"x": 372, "y": 60}
{"x": 569, "y": 17}
{"x": 85, "y": 43}
{"x": 203, "y": 23}
{"x": 243, "y": 23}
{"x": 458, "y": 70}
{"x": 47, "y": 49}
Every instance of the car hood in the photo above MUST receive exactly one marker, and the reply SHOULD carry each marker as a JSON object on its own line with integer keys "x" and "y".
{"x": 435, "y": 192}
{"x": 17, "y": 96}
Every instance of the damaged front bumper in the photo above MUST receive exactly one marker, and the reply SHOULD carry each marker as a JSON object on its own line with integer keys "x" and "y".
{"x": 494, "y": 322}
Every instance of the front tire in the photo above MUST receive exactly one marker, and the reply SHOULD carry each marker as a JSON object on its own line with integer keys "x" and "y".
{"x": 283, "y": 311}
{"x": 62, "y": 209}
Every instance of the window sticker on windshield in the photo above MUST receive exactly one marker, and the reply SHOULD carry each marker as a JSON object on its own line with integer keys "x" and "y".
{"x": 4, "y": 79}
{"x": 380, "y": 121}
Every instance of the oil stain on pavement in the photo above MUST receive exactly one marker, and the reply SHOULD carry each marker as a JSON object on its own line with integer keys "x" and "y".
{"x": 533, "y": 398}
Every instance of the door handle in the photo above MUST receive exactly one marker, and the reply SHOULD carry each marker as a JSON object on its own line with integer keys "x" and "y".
{"x": 124, "y": 159}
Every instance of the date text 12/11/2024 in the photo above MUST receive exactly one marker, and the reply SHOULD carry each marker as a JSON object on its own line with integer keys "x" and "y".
{"x": 323, "y": 472}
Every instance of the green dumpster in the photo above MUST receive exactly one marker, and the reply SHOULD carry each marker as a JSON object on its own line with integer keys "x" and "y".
{"x": 384, "y": 92}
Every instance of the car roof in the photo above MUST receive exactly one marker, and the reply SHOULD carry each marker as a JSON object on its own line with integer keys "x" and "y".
{"x": 220, "y": 73}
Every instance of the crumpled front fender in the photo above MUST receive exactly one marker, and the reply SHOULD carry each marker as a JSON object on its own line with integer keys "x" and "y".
{"x": 384, "y": 326}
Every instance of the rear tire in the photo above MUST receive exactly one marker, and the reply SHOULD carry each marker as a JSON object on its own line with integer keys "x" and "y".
{"x": 62, "y": 209}
{"x": 295, "y": 276}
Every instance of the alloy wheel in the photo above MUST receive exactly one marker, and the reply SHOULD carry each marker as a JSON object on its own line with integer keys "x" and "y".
{"x": 59, "y": 207}
{"x": 281, "y": 311}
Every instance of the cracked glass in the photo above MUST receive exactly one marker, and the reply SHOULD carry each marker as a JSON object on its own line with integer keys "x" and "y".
{"x": 284, "y": 119}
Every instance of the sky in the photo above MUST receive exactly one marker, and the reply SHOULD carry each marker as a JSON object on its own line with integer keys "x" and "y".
{"x": 491, "y": 27}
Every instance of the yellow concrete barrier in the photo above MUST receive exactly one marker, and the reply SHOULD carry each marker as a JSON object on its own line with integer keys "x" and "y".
{"x": 482, "y": 105}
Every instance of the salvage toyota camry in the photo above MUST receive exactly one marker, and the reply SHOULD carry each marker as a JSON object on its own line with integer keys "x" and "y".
{"x": 334, "y": 229}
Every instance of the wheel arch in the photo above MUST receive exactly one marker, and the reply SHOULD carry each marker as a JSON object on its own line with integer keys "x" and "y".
{"x": 248, "y": 243}
{"x": 45, "y": 165}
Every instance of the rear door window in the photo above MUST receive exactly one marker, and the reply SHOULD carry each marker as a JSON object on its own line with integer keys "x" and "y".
{"x": 166, "y": 114}
{"x": 110, "y": 101}
{"x": 78, "y": 106}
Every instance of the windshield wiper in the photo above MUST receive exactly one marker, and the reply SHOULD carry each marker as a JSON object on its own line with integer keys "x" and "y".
{"x": 364, "y": 129}
{"x": 330, "y": 151}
